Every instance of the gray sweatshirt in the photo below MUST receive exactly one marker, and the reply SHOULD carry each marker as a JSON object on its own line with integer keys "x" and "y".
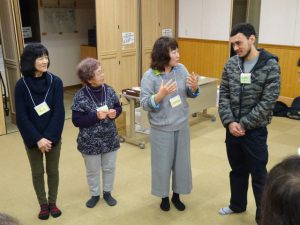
{"x": 164, "y": 116}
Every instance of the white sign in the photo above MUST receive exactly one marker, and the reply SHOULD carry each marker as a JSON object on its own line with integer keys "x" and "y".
{"x": 127, "y": 38}
{"x": 27, "y": 33}
{"x": 167, "y": 32}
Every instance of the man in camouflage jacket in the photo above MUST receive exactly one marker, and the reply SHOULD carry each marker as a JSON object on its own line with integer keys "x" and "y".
{"x": 249, "y": 89}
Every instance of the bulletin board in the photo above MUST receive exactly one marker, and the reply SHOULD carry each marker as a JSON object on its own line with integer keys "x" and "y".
{"x": 59, "y": 20}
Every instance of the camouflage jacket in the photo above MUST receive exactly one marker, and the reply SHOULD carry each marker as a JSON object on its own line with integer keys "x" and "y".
{"x": 251, "y": 105}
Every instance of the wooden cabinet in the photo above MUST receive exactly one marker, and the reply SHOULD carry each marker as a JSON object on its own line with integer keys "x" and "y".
{"x": 88, "y": 51}
{"x": 117, "y": 22}
{"x": 158, "y": 18}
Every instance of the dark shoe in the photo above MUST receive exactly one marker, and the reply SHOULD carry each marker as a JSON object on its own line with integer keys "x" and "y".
{"x": 54, "y": 211}
{"x": 44, "y": 213}
{"x": 177, "y": 203}
{"x": 92, "y": 201}
{"x": 165, "y": 204}
{"x": 109, "y": 199}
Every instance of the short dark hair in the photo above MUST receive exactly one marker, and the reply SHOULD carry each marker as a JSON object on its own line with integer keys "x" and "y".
{"x": 160, "y": 56}
{"x": 86, "y": 69}
{"x": 8, "y": 220}
{"x": 30, "y": 53}
{"x": 245, "y": 28}
{"x": 280, "y": 201}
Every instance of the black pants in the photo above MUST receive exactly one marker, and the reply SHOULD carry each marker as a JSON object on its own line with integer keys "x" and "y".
{"x": 247, "y": 155}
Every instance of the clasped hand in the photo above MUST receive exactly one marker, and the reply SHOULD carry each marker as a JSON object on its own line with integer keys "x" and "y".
{"x": 44, "y": 145}
{"x": 111, "y": 113}
{"x": 236, "y": 129}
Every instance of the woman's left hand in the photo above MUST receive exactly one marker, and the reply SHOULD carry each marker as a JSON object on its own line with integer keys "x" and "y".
{"x": 192, "y": 81}
{"x": 112, "y": 113}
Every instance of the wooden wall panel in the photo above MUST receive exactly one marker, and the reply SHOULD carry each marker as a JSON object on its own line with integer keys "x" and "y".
{"x": 288, "y": 58}
{"x": 204, "y": 57}
{"x": 208, "y": 58}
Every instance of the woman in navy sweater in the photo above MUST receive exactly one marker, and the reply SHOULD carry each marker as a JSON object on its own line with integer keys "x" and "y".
{"x": 40, "y": 118}
{"x": 95, "y": 108}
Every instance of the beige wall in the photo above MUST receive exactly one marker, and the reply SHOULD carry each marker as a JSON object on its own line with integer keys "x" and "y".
{"x": 64, "y": 49}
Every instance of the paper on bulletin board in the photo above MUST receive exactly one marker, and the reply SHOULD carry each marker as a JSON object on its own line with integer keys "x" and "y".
{"x": 127, "y": 38}
{"x": 167, "y": 32}
{"x": 27, "y": 33}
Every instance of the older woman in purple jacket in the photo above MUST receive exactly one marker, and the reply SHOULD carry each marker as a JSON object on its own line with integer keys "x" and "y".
{"x": 95, "y": 108}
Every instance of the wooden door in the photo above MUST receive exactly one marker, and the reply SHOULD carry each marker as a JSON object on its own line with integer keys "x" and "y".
{"x": 107, "y": 44}
{"x": 12, "y": 45}
{"x": 115, "y": 18}
{"x": 128, "y": 20}
{"x": 149, "y": 17}
{"x": 157, "y": 16}
{"x": 166, "y": 15}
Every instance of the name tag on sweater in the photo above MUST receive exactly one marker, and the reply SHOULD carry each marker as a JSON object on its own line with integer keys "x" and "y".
{"x": 42, "y": 108}
{"x": 175, "y": 101}
{"x": 245, "y": 78}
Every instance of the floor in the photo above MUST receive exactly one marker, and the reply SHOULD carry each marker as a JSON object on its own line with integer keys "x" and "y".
{"x": 136, "y": 206}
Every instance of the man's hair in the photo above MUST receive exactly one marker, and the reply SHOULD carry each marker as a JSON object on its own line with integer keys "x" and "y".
{"x": 8, "y": 220}
{"x": 160, "y": 56}
{"x": 245, "y": 28}
{"x": 30, "y": 53}
{"x": 280, "y": 201}
{"x": 86, "y": 69}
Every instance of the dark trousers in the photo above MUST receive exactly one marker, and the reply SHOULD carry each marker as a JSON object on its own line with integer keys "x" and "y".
{"x": 36, "y": 157}
{"x": 247, "y": 155}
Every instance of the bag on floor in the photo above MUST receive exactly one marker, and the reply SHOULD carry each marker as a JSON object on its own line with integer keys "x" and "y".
{"x": 280, "y": 109}
{"x": 294, "y": 110}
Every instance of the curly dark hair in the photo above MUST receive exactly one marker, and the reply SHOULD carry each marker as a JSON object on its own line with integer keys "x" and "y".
{"x": 245, "y": 28}
{"x": 30, "y": 53}
{"x": 280, "y": 201}
{"x": 86, "y": 69}
{"x": 160, "y": 56}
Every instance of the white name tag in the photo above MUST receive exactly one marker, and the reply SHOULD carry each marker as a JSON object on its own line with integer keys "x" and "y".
{"x": 175, "y": 101}
{"x": 42, "y": 108}
{"x": 245, "y": 78}
{"x": 103, "y": 108}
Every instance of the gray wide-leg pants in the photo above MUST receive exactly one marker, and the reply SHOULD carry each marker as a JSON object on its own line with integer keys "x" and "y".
{"x": 170, "y": 153}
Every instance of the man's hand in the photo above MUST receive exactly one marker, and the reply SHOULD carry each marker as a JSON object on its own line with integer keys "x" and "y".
{"x": 236, "y": 129}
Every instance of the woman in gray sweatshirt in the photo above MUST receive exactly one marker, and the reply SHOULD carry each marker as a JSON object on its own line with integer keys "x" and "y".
{"x": 165, "y": 88}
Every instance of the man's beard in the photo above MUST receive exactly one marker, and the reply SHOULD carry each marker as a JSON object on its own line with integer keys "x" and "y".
{"x": 247, "y": 54}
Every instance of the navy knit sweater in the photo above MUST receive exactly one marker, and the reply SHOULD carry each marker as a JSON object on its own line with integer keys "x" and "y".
{"x": 32, "y": 126}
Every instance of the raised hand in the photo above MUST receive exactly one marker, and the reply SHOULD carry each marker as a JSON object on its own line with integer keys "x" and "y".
{"x": 165, "y": 89}
{"x": 192, "y": 81}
